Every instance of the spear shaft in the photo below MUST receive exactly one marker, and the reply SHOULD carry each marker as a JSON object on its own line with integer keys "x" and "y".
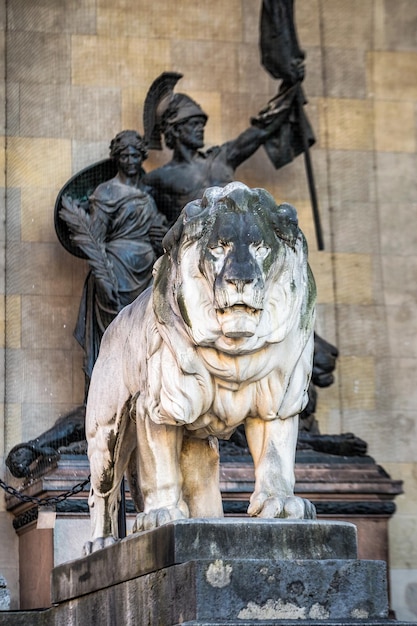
{"x": 282, "y": 58}
{"x": 310, "y": 174}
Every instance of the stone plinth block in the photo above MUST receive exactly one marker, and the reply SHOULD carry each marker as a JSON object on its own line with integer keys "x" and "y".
{"x": 225, "y": 571}
{"x": 190, "y": 540}
{"x": 237, "y": 589}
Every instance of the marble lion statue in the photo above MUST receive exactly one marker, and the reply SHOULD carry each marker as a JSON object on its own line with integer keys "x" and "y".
{"x": 224, "y": 337}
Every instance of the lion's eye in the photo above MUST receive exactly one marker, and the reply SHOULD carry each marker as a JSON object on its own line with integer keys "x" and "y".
{"x": 260, "y": 250}
{"x": 219, "y": 249}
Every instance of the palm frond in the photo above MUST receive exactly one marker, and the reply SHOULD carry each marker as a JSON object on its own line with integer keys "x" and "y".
{"x": 86, "y": 234}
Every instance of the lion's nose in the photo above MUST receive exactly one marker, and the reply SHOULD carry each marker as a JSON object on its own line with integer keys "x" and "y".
{"x": 240, "y": 270}
{"x": 240, "y": 282}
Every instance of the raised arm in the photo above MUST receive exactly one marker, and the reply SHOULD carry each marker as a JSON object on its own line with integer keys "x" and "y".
{"x": 241, "y": 148}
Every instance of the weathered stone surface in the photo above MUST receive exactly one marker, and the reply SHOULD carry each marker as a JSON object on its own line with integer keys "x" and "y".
{"x": 186, "y": 540}
{"x": 4, "y": 595}
{"x": 237, "y": 589}
{"x": 285, "y": 622}
{"x": 297, "y": 589}
{"x": 217, "y": 572}
{"x": 24, "y": 618}
{"x": 234, "y": 362}
{"x": 49, "y": 617}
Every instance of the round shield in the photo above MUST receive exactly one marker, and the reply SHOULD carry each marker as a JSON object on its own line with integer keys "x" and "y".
{"x": 79, "y": 188}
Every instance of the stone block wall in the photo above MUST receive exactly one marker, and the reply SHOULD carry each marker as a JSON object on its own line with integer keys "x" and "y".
{"x": 76, "y": 72}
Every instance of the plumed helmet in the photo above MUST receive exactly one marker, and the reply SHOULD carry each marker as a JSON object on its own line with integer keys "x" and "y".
{"x": 179, "y": 109}
{"x": 163, "y": 108}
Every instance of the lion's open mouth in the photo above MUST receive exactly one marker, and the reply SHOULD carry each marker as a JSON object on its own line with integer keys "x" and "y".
{"x": 239, "y": 320}
{"x": 239, "y": 309}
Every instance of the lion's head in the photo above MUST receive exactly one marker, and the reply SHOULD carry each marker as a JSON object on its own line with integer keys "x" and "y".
{"x": 235, "y": 271}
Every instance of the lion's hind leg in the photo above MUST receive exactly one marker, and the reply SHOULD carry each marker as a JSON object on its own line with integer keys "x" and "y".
{"x": 200, "y": 465}
{"x": 111, "y": 440}
{"x": 108, "y": 464}
{"x": 161, "y": 481}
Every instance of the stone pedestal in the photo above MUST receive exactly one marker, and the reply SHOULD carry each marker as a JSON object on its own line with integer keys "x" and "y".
{"x": 218, "y": 573}
{"x": 4, "y": 595}
{"x": 224, "y": 572}
{"x": 343, "y": 489}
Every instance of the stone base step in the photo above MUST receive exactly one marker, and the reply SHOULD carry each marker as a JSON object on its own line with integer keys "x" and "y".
{"x": 224, "y": 573}
{"x": 44, "y": 617}
{"x": 47, "y": 618}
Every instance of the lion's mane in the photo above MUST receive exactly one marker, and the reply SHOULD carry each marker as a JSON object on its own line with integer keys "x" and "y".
{"x": 194, "y": 369}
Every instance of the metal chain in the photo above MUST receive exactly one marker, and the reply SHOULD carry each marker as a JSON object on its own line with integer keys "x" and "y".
{"x": 44, "y": 501}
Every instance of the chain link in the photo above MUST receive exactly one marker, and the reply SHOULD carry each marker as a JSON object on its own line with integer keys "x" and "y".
{"x": 44, "y": 501}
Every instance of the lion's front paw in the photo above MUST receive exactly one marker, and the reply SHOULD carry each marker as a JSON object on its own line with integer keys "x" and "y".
{"x": 262, "y": 505}
{"x": 98, "y": 544}
{"x": 157, "y": 517}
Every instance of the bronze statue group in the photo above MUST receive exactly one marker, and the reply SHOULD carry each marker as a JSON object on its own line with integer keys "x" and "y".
{"x": 120, "y": 231}
{"x": 118, "y": 223}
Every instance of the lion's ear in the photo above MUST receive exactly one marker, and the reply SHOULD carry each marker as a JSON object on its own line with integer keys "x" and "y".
{"x": 189, "y": 216}
{"x": 285, "y": 222}
{"x": 173, "y": 236}
{"x": 193, "y": 209}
